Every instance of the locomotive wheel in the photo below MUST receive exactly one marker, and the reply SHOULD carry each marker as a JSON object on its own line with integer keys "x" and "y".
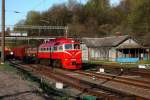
{"x": 37, "y": 61}
{"x": 59, "y": 64}
{"x": 53, "y": 63}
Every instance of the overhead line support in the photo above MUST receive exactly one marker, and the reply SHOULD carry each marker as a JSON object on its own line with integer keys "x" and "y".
{"x": 3, "y": 33}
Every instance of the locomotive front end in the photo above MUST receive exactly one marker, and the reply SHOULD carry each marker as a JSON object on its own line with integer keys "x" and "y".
{"x": 72, "y": 56}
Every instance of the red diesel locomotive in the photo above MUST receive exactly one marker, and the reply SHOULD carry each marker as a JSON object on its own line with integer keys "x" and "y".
{"x": 59, "y": 52}
{"x": 62, "y": 52}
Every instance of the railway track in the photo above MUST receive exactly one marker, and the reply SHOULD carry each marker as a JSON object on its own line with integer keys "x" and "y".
{"x": 115, "y": 78}
{"x": 142, "y": 72}
{"x": 145, "y": 73}
{"x": 82, "y": 85}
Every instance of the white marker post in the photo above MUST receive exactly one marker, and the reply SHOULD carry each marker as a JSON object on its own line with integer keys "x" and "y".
{"x": 59, "y": 85}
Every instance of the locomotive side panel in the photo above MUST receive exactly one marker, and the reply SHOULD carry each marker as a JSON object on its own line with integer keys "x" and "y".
{"x": 44, "y": 55}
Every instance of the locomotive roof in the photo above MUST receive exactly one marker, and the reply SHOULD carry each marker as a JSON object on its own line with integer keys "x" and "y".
{"x": 58, "y": 41}
{"x": 65, "y": 40}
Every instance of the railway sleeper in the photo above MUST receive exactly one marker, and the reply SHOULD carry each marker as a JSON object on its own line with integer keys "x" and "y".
{"x": 93, "y": 91}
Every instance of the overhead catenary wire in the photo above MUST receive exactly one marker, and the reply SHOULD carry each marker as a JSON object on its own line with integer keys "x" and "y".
{"x": 65, "y": 28}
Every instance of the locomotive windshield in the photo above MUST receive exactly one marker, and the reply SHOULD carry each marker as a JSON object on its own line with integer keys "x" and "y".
{"x": 68, "y": 46}
{"x": 72, "y": 46}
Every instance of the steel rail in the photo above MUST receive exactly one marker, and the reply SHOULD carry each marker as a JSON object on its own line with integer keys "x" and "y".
{"x": 84, "y": 86}
{"x": 115, "y": 78}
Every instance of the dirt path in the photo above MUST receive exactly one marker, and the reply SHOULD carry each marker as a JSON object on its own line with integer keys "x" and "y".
{"x": 12, "y": 87}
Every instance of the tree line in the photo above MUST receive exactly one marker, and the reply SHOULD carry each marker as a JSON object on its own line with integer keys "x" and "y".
{"x": 95, "y": 18}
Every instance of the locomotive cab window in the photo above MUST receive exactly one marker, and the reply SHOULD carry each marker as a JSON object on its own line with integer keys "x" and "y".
{"x": 49, "y": 48}
{"x": 41, "y": 49}
{"x": 52, "y": 49}
{"x": 60, "y": 48}
{"x": 68, "y": 46}
{"x": 76, "y": 46}
{"x": 55, "y": 48}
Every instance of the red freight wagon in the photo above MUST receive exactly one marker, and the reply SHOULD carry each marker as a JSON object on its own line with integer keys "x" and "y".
{"x": 19, "y": 52}
{"x": 8, "y": 53}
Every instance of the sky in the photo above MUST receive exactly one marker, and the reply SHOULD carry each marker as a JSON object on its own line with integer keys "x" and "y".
{"x": 24, "y": 6}
{"x": 114, "y": 2}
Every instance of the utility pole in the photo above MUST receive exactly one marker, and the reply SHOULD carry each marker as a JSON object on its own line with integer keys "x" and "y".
{"x": 66, "y": 32}
{"x": 3, "y": 33}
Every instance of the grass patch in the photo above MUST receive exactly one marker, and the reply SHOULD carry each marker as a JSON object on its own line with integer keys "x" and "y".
{"x": 144, "y": 62}
{"x": 6, "y": 67}
{"x": 115, "y": 64}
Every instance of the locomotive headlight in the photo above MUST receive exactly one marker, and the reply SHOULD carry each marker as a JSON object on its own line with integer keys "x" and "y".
{"x": 11, "y": 53}
{"x": 66, "y": 59}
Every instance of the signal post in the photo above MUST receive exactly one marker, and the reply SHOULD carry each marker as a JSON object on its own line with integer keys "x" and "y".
{"x": 3, "y": 33}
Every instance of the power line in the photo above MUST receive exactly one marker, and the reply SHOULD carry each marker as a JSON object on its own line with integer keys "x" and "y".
{"x": 33, "y": 8}
{"x": 65, "y": 28}
{"x": 39, "y": 4}
{"x": 13, "y": 11}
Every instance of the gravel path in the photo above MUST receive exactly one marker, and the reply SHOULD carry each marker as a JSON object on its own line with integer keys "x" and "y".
{"x": 12, "y": 87}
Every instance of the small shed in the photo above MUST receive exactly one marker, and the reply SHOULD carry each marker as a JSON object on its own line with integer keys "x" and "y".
{"x": 114, "y": 48}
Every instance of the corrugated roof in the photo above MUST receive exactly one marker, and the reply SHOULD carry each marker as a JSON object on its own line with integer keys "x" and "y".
{"x": 104, "y": 42}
